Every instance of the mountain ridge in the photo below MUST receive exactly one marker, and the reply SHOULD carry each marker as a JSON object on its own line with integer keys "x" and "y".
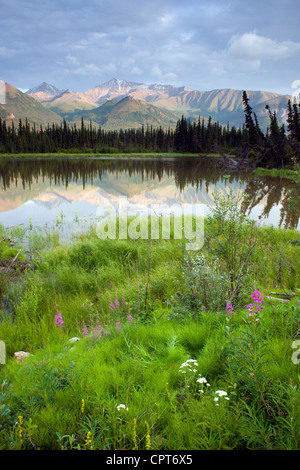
{"x": 222, "y": 105}
{"x": 19, "y": 105}
{"x": 127, "y": 112}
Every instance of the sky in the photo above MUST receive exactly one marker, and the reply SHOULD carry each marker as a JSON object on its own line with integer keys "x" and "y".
{"x": 200, "y": 44}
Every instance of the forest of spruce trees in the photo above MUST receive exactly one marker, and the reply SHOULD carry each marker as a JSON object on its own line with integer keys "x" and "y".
{"x": 277, "y": 147}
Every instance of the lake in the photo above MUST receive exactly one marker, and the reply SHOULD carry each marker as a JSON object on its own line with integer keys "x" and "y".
{"x": 41, "y": 191}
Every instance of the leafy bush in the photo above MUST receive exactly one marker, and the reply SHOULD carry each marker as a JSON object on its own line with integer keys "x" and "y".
{"x": 205, "y": 287}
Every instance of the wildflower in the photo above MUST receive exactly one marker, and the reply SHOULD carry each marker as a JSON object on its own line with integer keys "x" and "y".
{"x": 148, "y": 442}
{"x": 187, "y": 363}
{"x": 59, "y": 320}
{"x": 121, "y": 406}
{"x": 201, "y": 380}
{"x": 130, "y": 319}
{"x": 257, "y": 296}
{"x": 256, "y": 307}
{"x": 221, "y": 394}
{"x": 134, "y": 436}
{"x": 20, "y": 422}
{"x": 118, "y": 325}
{"x": 82, "y": 405}
{"x": 229, "y": 309}
{"x": 168, "y": 391}
{"x": 97, "y": 331}
{"x": 88, "y": 440}
{"x": 115, "y": 304}
{"x": 85, "y": 330}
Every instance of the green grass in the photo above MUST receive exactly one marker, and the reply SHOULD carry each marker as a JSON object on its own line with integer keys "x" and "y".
{"x": 283, "y": 173}
{"x": 115, "y": 154}
{"x": 68, "y": 394}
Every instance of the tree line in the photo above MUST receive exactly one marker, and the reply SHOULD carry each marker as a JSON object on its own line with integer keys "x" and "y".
{"x": 276, "y": 147}
{"x": 188, "y": 136}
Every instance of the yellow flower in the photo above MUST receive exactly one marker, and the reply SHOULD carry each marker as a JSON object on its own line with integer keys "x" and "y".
{"x": 20, "y": 429}
{"x": 134, "y": 435}
{"x": 148, "y": 442}
{"x": 82, "y": 405}
{"x": 168, "y": 392}
{"x": 88, "y": 440}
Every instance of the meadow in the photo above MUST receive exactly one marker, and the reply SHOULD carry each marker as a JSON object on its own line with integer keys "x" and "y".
{"x": 144, "y": 345}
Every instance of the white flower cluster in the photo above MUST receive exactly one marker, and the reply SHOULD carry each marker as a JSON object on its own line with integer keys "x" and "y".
{"x": 202, "y": 380}
{"x": 221, "y": 394}
{"x": 189, "y": 365}
{"x": 119, "y": 407}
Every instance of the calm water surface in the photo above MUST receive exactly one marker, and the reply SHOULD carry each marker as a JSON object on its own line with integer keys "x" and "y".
{"x": 39, "y": 191}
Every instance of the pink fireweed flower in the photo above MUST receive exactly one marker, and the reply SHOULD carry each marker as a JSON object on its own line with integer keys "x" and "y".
{"x": 85, "y": 330}
{"x": 229, "y": 309}
{"x": 118, "y": 325}
{"x": 115, "y": 304}
{"x": 257, "y": 296}
{"x": 130, "y": 319}
{"x": 97, "y": 332}
{"x": 255, "y": 307}
{"x": 59, "y": 320}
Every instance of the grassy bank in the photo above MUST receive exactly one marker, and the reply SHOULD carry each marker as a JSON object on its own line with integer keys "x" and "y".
{"x": 283, "y": 173}
{"x": 169, "y": 353}
{"x": 113, "y": 154}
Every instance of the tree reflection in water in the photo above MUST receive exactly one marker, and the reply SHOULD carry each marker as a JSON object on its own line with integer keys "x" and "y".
{"x": 200, "y": 173}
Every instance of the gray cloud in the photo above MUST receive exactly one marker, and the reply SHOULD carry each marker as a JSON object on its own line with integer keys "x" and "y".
{"x": 201, "y": 44}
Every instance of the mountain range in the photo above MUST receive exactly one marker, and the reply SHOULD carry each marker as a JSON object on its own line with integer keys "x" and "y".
{"x": 19, "y": 105}
{"x": 122, "y": 104}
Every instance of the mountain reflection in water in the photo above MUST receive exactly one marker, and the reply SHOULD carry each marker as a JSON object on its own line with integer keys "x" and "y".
{"x": 40, "y": 189}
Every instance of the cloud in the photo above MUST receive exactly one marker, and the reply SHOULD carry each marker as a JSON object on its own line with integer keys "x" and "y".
{"x": 88, "y": 69}
{"x": 255, "y": 48}
{"x": 158, "y": 74}
{"x": 203, "y": 44}
{"x": 71, "y": 60}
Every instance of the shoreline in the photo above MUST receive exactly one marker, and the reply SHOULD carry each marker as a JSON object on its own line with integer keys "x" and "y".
{"x": 102, "y": 155}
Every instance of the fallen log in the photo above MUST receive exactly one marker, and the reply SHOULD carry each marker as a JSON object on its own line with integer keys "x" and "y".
{"x": 283, "y": 301}
{"x": 286, "y": 294}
